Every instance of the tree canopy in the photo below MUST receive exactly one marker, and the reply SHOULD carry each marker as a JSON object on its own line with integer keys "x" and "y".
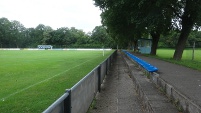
{"x": 131, "y": 19}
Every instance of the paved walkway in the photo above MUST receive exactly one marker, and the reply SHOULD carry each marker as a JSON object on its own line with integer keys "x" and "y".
{"x": 118, "y": 94}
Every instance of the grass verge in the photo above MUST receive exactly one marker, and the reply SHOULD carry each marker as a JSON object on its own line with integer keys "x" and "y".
{"x": 167, "y": 55}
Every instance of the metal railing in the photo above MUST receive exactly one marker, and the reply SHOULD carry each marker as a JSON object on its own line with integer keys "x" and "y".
{"x": 78, "y": 98}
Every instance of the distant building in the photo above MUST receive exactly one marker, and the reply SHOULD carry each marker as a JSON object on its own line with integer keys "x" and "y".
{"x": 144, "y": 45}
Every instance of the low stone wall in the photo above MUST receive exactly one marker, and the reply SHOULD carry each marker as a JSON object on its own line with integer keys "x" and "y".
{"x": 182, "y": 102}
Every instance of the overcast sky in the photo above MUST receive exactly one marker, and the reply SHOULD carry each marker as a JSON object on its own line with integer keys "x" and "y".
{"x": 81, "y": 14}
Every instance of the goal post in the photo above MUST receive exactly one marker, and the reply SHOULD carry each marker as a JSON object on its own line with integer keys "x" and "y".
{"x": 45, "y": 46}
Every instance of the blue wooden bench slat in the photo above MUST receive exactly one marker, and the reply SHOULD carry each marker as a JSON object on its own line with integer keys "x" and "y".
{"x": 141, "y": 62}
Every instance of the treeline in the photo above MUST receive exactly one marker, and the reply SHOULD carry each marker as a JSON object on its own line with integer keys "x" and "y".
{"x": 170, "y": 40}
{"x": 13, "y": 34}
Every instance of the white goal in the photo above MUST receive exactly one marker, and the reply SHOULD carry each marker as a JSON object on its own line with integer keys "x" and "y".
{"x": 45, "y": 47}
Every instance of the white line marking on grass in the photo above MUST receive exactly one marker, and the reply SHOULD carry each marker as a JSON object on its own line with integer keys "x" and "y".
{"x": 3, "y": 99}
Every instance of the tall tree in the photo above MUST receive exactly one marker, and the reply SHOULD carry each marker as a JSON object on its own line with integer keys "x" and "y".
{"x": 117, "y": 19}
{"x": 156, "y": 16}
{"x": 101, "y": 37}
{"x": 17, "y": 34}
{"x": 5, "y": 26}
{"x": 129, "y": 18}
{"x": 39, "y": 30}
{"x": 46, "y": 35}
{"x": 187, "y": 14}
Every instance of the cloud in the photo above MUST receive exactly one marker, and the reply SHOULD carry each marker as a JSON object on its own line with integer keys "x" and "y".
{"x": 81, "y": 14}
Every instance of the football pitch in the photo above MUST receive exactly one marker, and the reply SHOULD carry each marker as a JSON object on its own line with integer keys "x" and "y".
{"x": 30, "y": 81}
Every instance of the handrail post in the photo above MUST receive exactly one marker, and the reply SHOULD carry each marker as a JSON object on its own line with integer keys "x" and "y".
{"x": 99, "y": 78}
{"x": 106, "y": 66}
{"x": 67, "y": 102}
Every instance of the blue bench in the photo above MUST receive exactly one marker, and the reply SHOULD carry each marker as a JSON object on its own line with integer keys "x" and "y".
{"x": 141, "y": 62}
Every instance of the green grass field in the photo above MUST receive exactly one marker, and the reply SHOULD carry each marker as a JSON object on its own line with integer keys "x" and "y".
{"x": 30, "y": 81}
{"x": 167, "y": 54}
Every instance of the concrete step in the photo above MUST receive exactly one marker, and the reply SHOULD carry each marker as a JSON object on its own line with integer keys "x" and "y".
{"x": 153, "y": 100}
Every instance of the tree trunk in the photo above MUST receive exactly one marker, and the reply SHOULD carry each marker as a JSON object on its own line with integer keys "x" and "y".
{"x": 187, "y": 25}
{"x": 135, "y": 46}
{"x": 155, "y": 39}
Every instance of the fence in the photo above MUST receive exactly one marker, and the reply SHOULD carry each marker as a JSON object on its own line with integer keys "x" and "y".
{"x": 78, "y": 98}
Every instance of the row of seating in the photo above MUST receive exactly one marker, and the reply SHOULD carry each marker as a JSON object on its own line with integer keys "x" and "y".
{"x": 141, "y": 62}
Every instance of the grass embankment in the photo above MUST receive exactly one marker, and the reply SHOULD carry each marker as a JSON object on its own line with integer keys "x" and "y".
{"x": 167, "y": 55}
{"x": 30, "y": 81}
